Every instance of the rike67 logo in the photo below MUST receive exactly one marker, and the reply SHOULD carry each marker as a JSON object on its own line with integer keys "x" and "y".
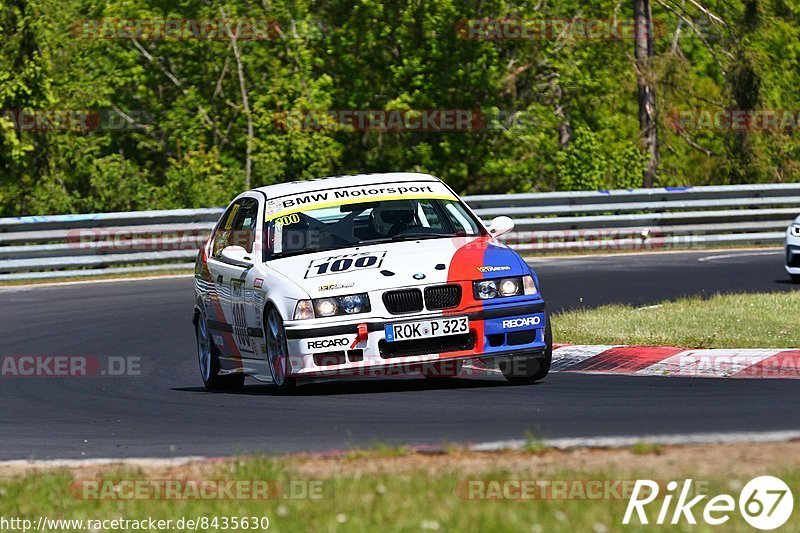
{"x": 765, "y": 503}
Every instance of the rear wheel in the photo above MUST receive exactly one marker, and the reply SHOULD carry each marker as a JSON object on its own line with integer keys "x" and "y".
{"x": 208, "y": 358}
{"x": 795, "y": 278}
{"x": 527, "y": 369}
{"x": 277, "y": 352}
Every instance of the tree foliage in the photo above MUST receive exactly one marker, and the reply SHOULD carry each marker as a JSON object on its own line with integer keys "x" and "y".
{"x": 559, "y": 112}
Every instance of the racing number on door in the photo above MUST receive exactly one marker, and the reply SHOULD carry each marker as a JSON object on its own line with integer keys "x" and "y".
{"x": 240, "y": 324}
{"x": 239, "y": 316}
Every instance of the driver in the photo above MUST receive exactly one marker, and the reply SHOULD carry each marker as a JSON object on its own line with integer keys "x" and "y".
{"x": 392, "y": 218}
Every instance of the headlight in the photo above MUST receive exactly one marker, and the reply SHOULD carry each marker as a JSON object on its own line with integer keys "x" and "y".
{"x": 485, "y": 290}
{"x": 304, "y": 310}
{"x": 325, "y": 307}
{"x": 510, "y": 287}
{"x": 795, "y": 230}
{"x": 334, "y": 306}
{"x": 504, "y": 287}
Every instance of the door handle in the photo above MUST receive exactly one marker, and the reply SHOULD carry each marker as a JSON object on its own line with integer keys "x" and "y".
{"x": 219, "y": 279}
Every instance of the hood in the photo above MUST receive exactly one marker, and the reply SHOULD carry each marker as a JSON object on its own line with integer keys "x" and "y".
{"x": 400, "y": 264}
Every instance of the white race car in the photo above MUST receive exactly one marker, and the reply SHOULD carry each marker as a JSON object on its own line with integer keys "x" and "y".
{"x": 793, "y": 250}
{"x": 363, "y": 275}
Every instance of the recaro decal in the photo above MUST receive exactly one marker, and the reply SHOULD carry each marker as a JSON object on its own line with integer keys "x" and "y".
{"x": 326, "y": 343}
{"x": 339, "y": 264}
{"x": 513, "y": 323}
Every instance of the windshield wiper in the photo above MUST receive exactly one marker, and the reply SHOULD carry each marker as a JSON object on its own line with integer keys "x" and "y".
{"x": 415, "y": 236}
{"x": 410, "y": 237}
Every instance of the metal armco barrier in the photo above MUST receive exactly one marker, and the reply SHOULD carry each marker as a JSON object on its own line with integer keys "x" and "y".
{"x": 583, "y": 221}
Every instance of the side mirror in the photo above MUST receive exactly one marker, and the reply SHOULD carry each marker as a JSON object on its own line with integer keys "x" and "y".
{"x": 236, "y": 255}
{"x": 500, "y": 226}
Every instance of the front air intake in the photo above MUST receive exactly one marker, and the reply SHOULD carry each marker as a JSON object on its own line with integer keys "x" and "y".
{"x": 404, "y": 301}
{"x": 442, "y": 297}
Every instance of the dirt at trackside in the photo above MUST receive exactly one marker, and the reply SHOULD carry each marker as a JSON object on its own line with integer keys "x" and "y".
{"x": 697, "y": 461}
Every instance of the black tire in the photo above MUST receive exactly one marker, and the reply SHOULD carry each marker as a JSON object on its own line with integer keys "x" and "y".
{"x": 208, "y": 359}
{"x": 524, "y": 370}
{"x": 277, "y": 351}
{"x": 795, "y": 278}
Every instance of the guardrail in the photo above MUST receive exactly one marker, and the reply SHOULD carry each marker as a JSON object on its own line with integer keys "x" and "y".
{"x": 639, "y": 219}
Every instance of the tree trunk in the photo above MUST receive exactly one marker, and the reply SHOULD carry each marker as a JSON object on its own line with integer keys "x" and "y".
{"x": 248, "y": 164}
{"x": 643, "y": 20}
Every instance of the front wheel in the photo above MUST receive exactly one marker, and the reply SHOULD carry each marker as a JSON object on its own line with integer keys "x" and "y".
{"x": 277, "y": 352}
{"x": 527, "y": 369}
{"x": 208, "y": 357}
{"x": 795, "y": 278}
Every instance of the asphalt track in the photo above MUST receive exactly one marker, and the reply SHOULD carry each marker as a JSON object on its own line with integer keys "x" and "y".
{"x": 165, "y": 411}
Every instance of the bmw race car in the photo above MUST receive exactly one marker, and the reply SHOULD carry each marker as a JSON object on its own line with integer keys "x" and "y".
{"x": 793, "y": 250}
{"x": 363, "y": 275}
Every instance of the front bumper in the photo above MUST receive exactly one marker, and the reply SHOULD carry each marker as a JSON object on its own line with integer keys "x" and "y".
{"x": 499, "y": 330}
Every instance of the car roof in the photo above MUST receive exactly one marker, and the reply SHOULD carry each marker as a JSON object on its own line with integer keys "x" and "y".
{"x": 321, "y": 184}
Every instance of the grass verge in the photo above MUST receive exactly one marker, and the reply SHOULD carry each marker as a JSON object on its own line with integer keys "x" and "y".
{"x": 415, "y": 492}
{"x": 765, "y": 320}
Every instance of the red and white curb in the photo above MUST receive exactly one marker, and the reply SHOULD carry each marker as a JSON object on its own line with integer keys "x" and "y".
{"x": 679, "y": 362}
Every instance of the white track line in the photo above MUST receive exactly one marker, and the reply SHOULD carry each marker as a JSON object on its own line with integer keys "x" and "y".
{"x": 543, "y": 258}
{"x": 12, "y": 288}
{"x": 672, "y": 439}
{"x": 737, "y": 256}
{"x": 155, "y": 462}
{"x": 624, "y": 441}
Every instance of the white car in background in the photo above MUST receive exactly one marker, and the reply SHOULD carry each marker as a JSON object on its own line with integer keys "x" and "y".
{"x": 793, "y": 250}
{"x": 360, "y": 276}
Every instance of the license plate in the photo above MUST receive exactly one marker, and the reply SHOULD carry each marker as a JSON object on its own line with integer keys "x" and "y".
{"x": 437, "y": 327}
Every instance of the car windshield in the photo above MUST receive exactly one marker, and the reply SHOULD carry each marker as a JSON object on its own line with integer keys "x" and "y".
{"x": 348, "y": 225}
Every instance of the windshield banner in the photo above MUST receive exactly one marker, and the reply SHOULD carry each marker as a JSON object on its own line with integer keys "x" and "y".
{"x": 284, "y": 205}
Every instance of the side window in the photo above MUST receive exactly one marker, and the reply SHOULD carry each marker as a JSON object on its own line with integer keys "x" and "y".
{"x": 222, "y": 236}
{"x": 237, "y": 227}
{"x": 245, "y": 224}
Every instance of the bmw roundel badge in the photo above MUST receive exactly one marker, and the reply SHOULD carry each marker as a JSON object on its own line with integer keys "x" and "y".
{"x": 419, "y": 276}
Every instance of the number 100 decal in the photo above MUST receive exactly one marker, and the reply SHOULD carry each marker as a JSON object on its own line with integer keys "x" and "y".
{"x": 340, "y": 264}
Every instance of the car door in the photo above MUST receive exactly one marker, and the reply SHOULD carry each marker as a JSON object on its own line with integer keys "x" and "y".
{"x": 237, "y": 228}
